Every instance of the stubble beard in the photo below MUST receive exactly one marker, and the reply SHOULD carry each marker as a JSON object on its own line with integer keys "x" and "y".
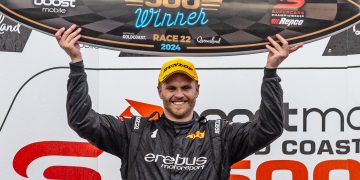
{"x": 181, "y": 114}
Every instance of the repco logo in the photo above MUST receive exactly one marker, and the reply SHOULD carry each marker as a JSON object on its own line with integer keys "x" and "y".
{"x": 289, "y": 4}
{"x": 291, "y": 22}
{"x": 55, "y": 3}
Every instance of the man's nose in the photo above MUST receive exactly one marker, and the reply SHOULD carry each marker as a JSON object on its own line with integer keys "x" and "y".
{"x": 179, "y": 93}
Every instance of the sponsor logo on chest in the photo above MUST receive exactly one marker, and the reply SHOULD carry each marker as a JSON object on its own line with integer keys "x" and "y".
{"x": 137, "y": 123}
{"x": 178, "y": 162}
{"x": 197, "y": 134}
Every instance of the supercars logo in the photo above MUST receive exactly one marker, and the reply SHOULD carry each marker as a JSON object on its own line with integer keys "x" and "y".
{"x": 290, "y": 4}
{"x": 197, "y": 134}
{"x": 287, "y": 13}
{"x": 28, "y": 154}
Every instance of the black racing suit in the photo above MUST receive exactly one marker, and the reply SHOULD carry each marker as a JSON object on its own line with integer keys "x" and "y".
{"x": 168, "y": 150}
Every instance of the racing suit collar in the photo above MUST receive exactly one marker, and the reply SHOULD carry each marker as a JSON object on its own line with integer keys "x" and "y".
{"x": 170, "y": 124}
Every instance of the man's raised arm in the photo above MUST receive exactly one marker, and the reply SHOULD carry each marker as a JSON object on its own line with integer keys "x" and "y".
{"x": 243, "y": 139}
{"x": 104, "y": 131}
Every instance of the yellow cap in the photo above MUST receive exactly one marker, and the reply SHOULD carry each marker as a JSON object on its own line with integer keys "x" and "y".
{"x": 177, "y": 66}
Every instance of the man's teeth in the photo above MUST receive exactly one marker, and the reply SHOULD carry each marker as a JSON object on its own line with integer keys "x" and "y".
{"x": 179, "y": 102}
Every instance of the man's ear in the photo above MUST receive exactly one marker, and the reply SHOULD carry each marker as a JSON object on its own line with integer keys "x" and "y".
{"x": 197, "y": 87}
{"x": 159, "y": 90}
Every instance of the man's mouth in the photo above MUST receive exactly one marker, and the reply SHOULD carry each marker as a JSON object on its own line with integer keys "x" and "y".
{"x": 178, "y": 102}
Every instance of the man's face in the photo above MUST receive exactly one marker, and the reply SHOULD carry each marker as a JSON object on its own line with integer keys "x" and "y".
{"x": 179, "y": 93}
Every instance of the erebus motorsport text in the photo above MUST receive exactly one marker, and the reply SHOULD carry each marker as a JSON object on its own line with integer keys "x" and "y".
{"x": 177, "y": 162}
{"x": 55, "y": 6}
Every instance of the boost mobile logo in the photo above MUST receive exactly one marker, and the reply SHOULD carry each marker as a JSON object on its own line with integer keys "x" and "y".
{"x": 55, "y": 6}
{"x": 55, "y": 3}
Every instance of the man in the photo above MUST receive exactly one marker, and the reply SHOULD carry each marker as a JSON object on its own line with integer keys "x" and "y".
{"x": 179, "y": 144}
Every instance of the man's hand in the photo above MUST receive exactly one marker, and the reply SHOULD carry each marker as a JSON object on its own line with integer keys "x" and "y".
{"x": 278, "y": 53}
{"x": 68, "y": 41}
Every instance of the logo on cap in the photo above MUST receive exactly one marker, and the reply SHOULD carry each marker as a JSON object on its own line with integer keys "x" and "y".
{"x": 177, "y": 66}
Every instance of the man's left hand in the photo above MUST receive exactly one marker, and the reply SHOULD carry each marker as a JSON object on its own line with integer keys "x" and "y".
{"x": 278, "y": 53}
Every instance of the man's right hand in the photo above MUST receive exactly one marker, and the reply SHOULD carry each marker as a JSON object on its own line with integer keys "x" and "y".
{"x": 68, "y": 40}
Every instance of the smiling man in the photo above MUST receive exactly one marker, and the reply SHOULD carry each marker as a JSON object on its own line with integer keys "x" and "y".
{"x": 178, "y": 88}
{"x": 178, "y": 144}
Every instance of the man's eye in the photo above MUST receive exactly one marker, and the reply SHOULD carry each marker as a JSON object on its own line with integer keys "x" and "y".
{"x": 171, "y": 88}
